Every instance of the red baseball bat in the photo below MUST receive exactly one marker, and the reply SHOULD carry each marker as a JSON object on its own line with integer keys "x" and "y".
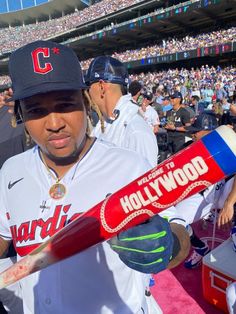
{"x": 203, "y": 163}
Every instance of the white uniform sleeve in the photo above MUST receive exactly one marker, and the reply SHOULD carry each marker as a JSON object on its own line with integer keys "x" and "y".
{"x": 189, "y": 210}
{"x": 155, "y": 118}
{"x": 4, "y": 225}
{"x": 173, "y": 216}
{"x": 146, "y": 145}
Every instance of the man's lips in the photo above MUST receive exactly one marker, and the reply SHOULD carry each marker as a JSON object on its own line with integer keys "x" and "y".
{"x": 59, "y": 141}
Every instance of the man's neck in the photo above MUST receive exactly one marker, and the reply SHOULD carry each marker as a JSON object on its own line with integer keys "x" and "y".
{"x": 176, "y": 107}
{"x": 62, "y": 165}
{"x": 111, "y": 104}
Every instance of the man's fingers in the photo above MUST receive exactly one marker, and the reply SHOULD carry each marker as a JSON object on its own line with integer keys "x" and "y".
{"x": 224, "y": 221}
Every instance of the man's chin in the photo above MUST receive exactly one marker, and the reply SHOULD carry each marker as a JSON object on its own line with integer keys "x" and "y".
{"x": 63, "y": 158}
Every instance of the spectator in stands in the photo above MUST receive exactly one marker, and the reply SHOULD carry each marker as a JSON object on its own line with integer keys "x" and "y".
{"x": 135, "y": 88}
{"x": 166, "y": 105}
{"x": 225, "y": 104}
{"x": 177, "y": 119}
{"x": 217, "y": 110}
{"x": 195, "y": 92}
{"x": 207, "y": 93}
{"x": 220, "y": 92}
{"x": 194, "y": 104}
{"x": 149, "y": 113}
{"x": 158, "y": 101}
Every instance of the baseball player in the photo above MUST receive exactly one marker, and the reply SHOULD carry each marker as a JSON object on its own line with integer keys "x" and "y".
{"x": 66, "y": 173}
{"x": 200, "y": 204}
{"x": 120, "y": 122}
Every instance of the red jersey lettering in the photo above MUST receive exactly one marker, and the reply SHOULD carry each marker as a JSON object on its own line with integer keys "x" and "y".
{"x": 44, "y": 228}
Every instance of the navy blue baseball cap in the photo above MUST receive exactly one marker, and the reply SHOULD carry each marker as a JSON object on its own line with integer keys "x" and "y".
{"x": 148, "y": 95}
{"x": 107, "y": 69}
{"x": 176, "y": 94}
{"x": 205, "y": 121}
{"x": 44, "y": 66}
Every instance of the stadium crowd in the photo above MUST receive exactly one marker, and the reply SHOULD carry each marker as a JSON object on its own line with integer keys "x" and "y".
{"x": 173, "y": 45}
{"x": 191, "y": 82}
{"x": 170, "y": 45}
{"x": 13, "y": 38}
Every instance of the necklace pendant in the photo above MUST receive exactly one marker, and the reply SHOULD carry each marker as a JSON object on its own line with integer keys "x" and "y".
{"x": 57, "y": 191}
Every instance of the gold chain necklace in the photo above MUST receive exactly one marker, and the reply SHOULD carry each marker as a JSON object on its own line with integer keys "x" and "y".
{"x": 58, "y": 190}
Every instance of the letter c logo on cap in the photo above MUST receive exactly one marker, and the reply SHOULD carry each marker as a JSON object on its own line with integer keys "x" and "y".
{"x": 41, "y": 68}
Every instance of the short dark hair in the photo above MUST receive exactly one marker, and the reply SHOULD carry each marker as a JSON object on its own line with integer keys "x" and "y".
{"x": 195, "y": 97}
{"x": 134, "y": 88}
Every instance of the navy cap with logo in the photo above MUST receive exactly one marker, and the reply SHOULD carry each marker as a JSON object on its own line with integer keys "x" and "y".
{"x": 148, "y": 95}
{"x": 107, "y": 69}
{"x": 205, "y": 121}
{"x": 44, "y": 66}
{"x": 176, "y": 94}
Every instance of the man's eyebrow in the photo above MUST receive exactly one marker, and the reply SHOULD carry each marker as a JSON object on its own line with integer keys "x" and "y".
{"x": 65, "y": 98}
{"x": 32, "y": 105}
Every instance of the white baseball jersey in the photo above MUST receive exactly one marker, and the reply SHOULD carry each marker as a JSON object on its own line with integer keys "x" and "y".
{"x": 199, "y": 205}
{"x": 151, "y": 116}
{"x": 130, "y": 131}
{"x": 94, "y": 281}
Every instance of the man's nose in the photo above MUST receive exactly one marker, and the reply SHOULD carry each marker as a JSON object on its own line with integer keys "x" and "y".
{"x": 55, "y": 121}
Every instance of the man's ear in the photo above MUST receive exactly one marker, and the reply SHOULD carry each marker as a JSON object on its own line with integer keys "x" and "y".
{"x": 103, "y": 87}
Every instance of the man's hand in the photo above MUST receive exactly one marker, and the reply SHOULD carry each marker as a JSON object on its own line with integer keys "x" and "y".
{"x": 226, "y": 215}
{"x": 170, "y": 126}
{"x": 147, "y": 247}
{"x": 4, "y": 96}
{"x": 227, "y": 212}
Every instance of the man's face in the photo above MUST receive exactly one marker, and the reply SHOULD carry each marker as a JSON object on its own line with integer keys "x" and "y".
{"x": 175, "y": 102}
{"x": 145, "y": 103}
{"x": 165, "y": 102}
{"x": 56, "y": 121}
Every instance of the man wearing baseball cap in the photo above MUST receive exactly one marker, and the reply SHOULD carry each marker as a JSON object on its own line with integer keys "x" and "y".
{"x": 204, "y": 123}
{"x": 65, "y": 174}
{"x": 177, "y": 119}
{"x": 120, "y": 121}
{"x": 149, "y": 113}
